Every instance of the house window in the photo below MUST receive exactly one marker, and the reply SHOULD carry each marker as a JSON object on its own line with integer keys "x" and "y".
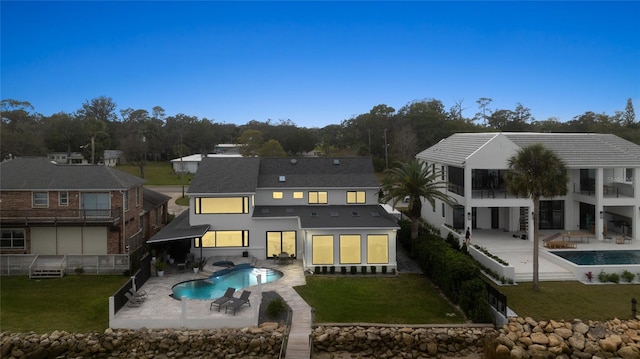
{"x": 442, "y": 173}
{"x": 278, "y": 195}
{"x": 156, "y": 214}
{"x": 356, "y": 197}
{"x": 350, "y": 249}
{"x": 378, "y": 248}
{"x": 63, "y": 198}
{"x": 12, "y": 238}
{"x": 628, "y": 176}
{"x": 222, "y": 205}
{"x": 317, "y": 197}
{"x": 443, "y": 210}
{"x": 96, "y": 204}
{"x": 322, "y": 249}
{"x": 298, "y": 195}
{"x": 40, "y": 199}
{"x": 125, "y": 199}
{"x": 137, "y": 196}
{"x": 279, "y": 242}
{"x": 217, "y": 239}
{"x": 140, "y": 222}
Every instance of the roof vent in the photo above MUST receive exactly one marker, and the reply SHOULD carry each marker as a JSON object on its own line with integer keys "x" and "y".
{"x": 355, "y": 214}
{"x": 282, "y": 179}
{"x": 375, "y": 214}
{"x": 264, "y": 210}
{"x": 289, "y": 210}
{"x": 294, "y": 161}
{"x": 333, "y": 214}
{"x": 336, "y": 162}
{"x": 313, "y": 214}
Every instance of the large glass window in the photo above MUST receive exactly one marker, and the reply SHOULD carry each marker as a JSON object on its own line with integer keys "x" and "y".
{"x": 378, "y": 248}
{"x": 224, "y": 239}
{"x": 350, "y": 249}
{"x": 281, "y": 242}
{"x": 222, "y": 205}
{"x": 322, "y": 249}
{"x": 96, "y": 204}
{"x": 317, "y": 197}
{"x": 40, "y": 199}
{"x": 356, "y": 197}
{"x": 12, "y": 238}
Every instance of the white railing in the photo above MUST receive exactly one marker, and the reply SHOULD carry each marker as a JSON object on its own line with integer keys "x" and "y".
{"x": 20, "y": 264}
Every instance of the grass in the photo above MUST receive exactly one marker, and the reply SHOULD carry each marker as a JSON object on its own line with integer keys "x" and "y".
{"x": 158, "y": 174}
{"x": 572, "y": 300}
{"x": 405, "y": 299}
{"x": 76, "y": 304}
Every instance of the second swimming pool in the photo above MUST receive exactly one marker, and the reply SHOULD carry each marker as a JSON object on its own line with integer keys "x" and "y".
{"x": 238, "y": 277}
{"x": 600, "y": 257}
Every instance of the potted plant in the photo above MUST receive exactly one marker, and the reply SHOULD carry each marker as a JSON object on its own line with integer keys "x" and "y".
{"x": 197, "y": 266}
{"x": 160, "y": 266}
{"x": 589, "y": 276}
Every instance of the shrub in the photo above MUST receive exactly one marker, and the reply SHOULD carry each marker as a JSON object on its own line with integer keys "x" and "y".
{"x": 614, "y": 277}
{"x": 628, "y": 276}
{"x": 473, "y": 301}
{"x": 276, "y": 307}
{"x": 453, "y": 241}
{"x": 79, "y": 270}
{"x": 602, "y": 276}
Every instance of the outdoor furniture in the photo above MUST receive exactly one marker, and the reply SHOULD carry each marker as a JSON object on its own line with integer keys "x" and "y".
{"x": 623, "y": 240}
{"x": 227, "y": 296}
{"x": 181, "y": 267}
{"x": 139, "y": 294}
{"x": 568, "y": 236}
{"x": 133, "y": 301}
{"x": 560, "y": 245}
{"x": 236, "y": 303}
{"x": 284, "y": 258}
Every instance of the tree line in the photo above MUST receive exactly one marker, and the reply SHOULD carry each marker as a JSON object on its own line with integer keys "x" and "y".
{"x": 384, "y": 133}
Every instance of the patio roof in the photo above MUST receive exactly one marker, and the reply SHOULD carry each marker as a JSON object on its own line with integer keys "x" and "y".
{"x": 179, "y": 228}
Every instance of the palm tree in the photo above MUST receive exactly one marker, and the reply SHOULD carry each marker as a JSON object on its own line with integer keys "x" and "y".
{"x": 536, "y": 171}
{"x": 415, "y": 181}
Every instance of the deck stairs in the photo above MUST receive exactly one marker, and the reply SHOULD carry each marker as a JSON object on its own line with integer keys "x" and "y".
{"x": 47, "y": 267}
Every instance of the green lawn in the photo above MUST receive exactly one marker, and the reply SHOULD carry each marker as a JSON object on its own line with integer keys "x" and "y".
{"x": 158, "y": 174}
{"x": 77, "y": 303}
{"x": 571, "y": 300}
{"x": 405, "y": 299}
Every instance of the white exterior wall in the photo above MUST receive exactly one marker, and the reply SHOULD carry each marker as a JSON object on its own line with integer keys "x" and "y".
{"x": 264, "y": 196}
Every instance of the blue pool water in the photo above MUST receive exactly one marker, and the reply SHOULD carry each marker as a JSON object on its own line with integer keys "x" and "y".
{"x": 600, "y": 257}
{"x": 238, "y": 277}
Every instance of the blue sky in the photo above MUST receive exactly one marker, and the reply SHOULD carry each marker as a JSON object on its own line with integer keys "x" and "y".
{"x": 319, "y": 63}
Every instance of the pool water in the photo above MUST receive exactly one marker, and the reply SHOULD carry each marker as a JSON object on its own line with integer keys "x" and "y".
{"x": 238, "y": 277}
{"x": 600, "y": 257}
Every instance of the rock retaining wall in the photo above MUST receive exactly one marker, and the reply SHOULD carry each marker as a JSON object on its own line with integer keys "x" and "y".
{"x": 527, "y": 338}
{"x": 256, "y": 342}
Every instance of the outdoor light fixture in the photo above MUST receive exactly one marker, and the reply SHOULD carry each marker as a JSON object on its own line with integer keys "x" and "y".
{"x": 601, "y": 215}
{"x": 469, "y": 215}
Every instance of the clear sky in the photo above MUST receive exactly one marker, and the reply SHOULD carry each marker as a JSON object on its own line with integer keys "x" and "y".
{"x": 319, "y": 63}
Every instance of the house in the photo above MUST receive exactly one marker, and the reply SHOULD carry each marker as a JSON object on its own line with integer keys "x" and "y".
{"x": 111, "y": 158}
{"x": 56, "y": 209}
{"x": 67, "y": 158}
{"x": 603, "y": 193}
{"x": 190, "y": 164}
{"x": 324, "y": 211}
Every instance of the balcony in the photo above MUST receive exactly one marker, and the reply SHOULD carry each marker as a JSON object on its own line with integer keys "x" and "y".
{"x": 610, "y": 190}
{"x": 60, "y": 216}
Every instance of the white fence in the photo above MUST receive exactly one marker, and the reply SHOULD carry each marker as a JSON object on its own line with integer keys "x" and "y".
{"x": 20, "y": 264}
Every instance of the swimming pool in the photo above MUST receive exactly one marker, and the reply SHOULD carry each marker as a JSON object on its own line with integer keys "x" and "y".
{"x": 238, "y": 277}
{"x": 600, "y": 257}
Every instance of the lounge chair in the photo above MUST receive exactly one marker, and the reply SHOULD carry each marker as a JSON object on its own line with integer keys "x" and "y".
{"x": 133, "y": 301}
{"x": 236, "y": 303}
{"x": 227, "y": 296}
{"x": 141, "y": 294}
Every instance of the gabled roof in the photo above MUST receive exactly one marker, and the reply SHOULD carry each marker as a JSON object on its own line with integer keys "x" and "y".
{"x": 246, "y": 174}
{"x": 38, "y": 173}
{"x": 226, "y": 175}
{"x": 317, "y": 172}
{"x": 577, "y": 150}
{"x": 341, "y": 216}
{"x": 152, "y": 199}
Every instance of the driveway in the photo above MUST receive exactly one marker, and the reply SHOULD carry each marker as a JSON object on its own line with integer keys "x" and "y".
{"x": 174, "y": 192}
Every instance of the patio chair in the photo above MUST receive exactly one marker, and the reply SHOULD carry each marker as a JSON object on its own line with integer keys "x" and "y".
{"x": 141, "y": 294}
{"x": 236, "y": 303}
{"x": 227, "y": 296}
{"x": 133, "y": 301}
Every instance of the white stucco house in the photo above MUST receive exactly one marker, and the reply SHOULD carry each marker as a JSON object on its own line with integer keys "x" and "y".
{"x": 190, "y": 164}
{"x": 321, "y": 210}
{"x": 603, "y": 194}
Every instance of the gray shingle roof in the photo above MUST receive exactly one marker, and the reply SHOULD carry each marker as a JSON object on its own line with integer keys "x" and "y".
{"x": 577, "y": 150}
{"x": 245, "y": 175}
{"x": 153, "y": 199}
{"x": 317, "y": 172}
{"x": 38, "y": 173}
{"x": 365, "y": 216}
{"x": 179, "y": 228}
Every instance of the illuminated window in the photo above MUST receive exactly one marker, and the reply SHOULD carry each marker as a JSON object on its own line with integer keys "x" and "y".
{"x": 40, "y": 199}
{"x": 322, "y": 249}
{"x": 317, "y": 197}
{"x": 222, "y": 205}
{"x": 356, "y": 197}
{"x": 224, "y": 239}
{"x": 378, "y": 248}
{"x": 350, "y": 249}
{"x": 278, "y": 195}
{"x": 298, "y": 195}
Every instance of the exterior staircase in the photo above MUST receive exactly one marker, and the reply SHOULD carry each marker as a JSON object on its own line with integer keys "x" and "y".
{"x": 47, "y": 267}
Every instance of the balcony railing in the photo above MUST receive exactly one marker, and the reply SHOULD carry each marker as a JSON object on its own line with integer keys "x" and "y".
{"x": 60, "y": 216}
{"x": 610, "y": 190}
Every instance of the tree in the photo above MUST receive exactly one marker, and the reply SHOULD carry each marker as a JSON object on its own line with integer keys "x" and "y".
{"x": 629, "y": 115}
{"x": 97, "y": 115}
{"x": 419, "y": 182}
{"x": 536, "y": 171}
{"x": 252, "y": 141}
{"x": 483, "y": 104}
{"x": 272, "y": 148}
{"x": 21, "y": 132}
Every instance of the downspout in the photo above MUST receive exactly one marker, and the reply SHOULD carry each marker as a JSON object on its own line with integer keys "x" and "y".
{"x": 124, "y": 233}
